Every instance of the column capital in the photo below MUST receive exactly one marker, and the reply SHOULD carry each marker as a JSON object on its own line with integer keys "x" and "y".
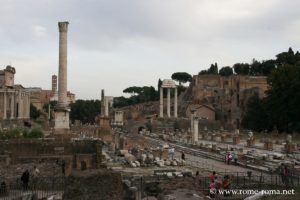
{"x": 63, "y": 26}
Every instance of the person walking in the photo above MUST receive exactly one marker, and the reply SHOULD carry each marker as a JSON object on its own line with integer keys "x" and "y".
{"x": 212, "y": 176}
{"x": 229, "y": 158}
{"x": 235, "y": 158}
{"x": 25, "y": 179}
{"x": 212, "y": 189}
{"x": 35, "y": 174}
{"x": 182, "y": 156}
{"x": 226, "y": 185}
{"x": 283, "y": 173}
{"x": 63, "y": 166}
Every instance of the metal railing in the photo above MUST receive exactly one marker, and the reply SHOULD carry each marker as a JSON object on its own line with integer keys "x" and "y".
{"x": 40, "y": 187}
{"x": 238, "y": 181}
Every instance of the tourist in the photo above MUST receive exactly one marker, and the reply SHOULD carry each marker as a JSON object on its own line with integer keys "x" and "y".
{"x": 286, "y": 176}
{"x": 25, "y": 179}
{"x": 172, "y": 152}
{"x": 35, "y": 174}
{"x": 226, "y": 185}
{"x": 212, "y": 177}
{"x": 3, "y": 188}
{"x": 229, "y": 158}
{"x": 63, "y": 167}
{"x": 212, "y": 189}
{"x": 235, "y": 158}
{"x": 182, "y": 156}
{"x": 198, "y": 181}
{"x": 218, "y": 184}
{"x": 283, "y": 173}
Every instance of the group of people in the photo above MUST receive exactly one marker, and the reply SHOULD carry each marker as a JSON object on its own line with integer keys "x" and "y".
{"x": 26, "y": 176}
{"x": 229, "y": 158}
{"x": 215, "y": 184}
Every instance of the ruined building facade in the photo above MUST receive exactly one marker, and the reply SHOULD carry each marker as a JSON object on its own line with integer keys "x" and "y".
{"x": 223, "y": 97}
{"x": 14, "y": 99}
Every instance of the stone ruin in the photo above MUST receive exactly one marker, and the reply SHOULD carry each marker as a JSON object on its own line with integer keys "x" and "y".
{"x": 94, "y": 184}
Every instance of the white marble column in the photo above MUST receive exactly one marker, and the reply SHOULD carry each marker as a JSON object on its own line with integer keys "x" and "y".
{"x": 12, "y": 105}
{"x": 175, "y": 103}
{"x": 4, "y": 105}
{"x": 62, "y": 70}
{"x": 27, "y": 115}
{"x": 169, "y": 102}
{"x": 195, "y": 130}
{"x": 161, "y": 103}
{"x": 192, "y": 123}
{"x": 20, "y": 109}
{"x": 106, "y": 105}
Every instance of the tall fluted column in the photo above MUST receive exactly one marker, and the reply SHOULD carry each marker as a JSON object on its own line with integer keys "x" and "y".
{"x": 102, "y": 103}
{"x": 28, "y": 106}
{"x": 195, "y": 129}
{"x": 175, "y": 103}
{"x": 161, "y": 103}
{"x": 4, "y": 105}
{"x": 61, "y": 114}
{"x": 192, "y": 125}
{"x": 169, "y": 103}
{"x": 62, "y": 72}
{"x": 20, "y": 109}
{"x": 12, "y": 106}
{"x": 106, "y": 105}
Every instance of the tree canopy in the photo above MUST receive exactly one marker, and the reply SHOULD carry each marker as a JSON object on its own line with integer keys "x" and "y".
{"x": 139, "y": 95}
{"x": 226, "y": 71}
{"x": 85, "y": 110}
{"x": 181, "y": 77}
{"x": 280, "y": 108}
{"x": 133, "y": 90}
{"x": 212, "y": 70}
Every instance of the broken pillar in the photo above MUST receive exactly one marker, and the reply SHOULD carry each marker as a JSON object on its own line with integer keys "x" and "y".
{"x": 235, "y": 139}
{"x": 213, "y": 137}
{"x": 268, "y": 144}
{"x": 196, "y": 130}
{"x": 223, "y": 138}
{"x": 250, "y": 142}
{"x": 290, "y": 147}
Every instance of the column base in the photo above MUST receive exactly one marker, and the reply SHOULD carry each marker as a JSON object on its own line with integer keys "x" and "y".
{"x": 61, "y": 121}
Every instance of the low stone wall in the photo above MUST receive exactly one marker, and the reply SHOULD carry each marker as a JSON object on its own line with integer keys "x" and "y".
{"x": 34, "y": 147}
{"x": 94, "y": 185}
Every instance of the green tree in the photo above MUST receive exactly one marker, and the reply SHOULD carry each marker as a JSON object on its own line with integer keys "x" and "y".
{"x": 256, "y": 117}
{"x": 121, "y": 101}
{"x": 181, "y": 77}
{"x": 255, "y": 68}
{"x": 268, "y": 66}
{"x": 226, "y": 71}
{"x": 286, "y": 58}
{"x": 52, "y": 106}
{"x": 85, "y": 110}
{"x": 34, "y": 133}
{"x": 203, "y": 72}
{"x": 34, "y": 112}
{"x": 284, "y": 97}
{"x": 133, "y": 90}
{"x": 213, "y": 69}
{"x": 241, "y": 68}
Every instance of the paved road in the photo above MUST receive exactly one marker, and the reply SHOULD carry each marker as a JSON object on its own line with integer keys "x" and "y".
{"x": 198, "y": 158}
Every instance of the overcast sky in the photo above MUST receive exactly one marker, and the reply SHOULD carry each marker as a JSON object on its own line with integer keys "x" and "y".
{"x": 114, "y": 44}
